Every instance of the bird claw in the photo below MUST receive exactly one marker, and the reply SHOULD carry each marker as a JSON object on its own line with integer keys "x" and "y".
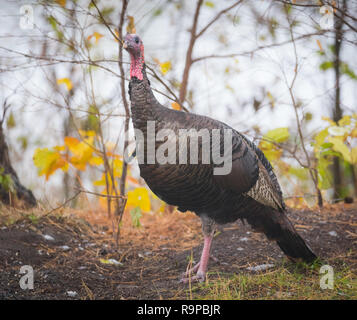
{"x": 199, "y": 277}
{"x": 190, "y": 271}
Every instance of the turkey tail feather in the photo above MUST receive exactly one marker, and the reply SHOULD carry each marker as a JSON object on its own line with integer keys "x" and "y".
{"x": 278, "y": 227}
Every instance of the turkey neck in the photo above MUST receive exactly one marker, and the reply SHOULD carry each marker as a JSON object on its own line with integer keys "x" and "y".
{"x": 143, "y": 101}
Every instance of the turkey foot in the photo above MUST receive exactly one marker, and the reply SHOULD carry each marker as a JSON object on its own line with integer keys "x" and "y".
{"x": 196, "y": 266}
{"x": 201, "y": 267}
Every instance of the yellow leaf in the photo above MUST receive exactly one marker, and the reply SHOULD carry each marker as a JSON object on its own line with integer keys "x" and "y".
{"x": 96, "y": 161}
{"x": 139, "y": 197}
{"x": 88, "y": 133}
{"x": 82, "y": 151}
{"x": 116, "y": 32}
{"x": 100, "y": 182}
{"x": 131, "y": 25}
{"x": 320, "y": 139}
{"x": 339, "y": 146}
{"x": 354, "y": 155}
{"x": 110, "y": 261}
{"x": 175, "y": 106}
{"x": 96, "y": 35}
{"x": 165, "y": 67}
{"x": 270, "y": 150}
{"x": 331, "y": 122}
{"x": 59, "y": 148}
{"x": 278, "y": 135}
{"x": 117, "y": 168}
{"x": 345, "y": 121}
{"x": 271, "y": 99}
{"x": 65, "y": 81}
{"x": 61, "y": 2}
{"x": 78, "y": 163}
{"x": 71, "y": 142}
{"x": 48, "y": 161}
{"x": 162, "y": 206}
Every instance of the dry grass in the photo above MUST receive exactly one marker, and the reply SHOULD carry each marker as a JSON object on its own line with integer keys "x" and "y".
{"x": 174, "y": 230}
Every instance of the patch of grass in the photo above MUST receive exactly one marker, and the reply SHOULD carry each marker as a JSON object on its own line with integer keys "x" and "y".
{"x": 283, "y": 283}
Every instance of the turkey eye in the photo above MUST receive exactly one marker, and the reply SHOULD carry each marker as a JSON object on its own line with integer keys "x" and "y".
{"x": 136, "y": 40}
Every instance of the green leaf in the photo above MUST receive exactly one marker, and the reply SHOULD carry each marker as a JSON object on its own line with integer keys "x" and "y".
{"x": 308, "y": 116}
{"x": 326, "y": 65}
{"x": 54, "y": 24}
{"x": 6, "y": 182}
{"x": 135, "y": 217}
{"x": 345, "y": 69}
{"x": 327, "y": 145}
{"x": 209, "y": 4}
{"x": 157, "y": 12}
{"x": 330, "y": 153}
{"x": 324, "y": 174}
{"x": 278, "y": 135}
{"x": 10, "y": 123}
{"x": 23, "y": 141}
{"x": 320, "y": 138}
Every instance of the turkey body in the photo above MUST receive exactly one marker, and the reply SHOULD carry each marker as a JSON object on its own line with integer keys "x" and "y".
{"x": 194, "y": 187}
{"x": 249, "y": 190}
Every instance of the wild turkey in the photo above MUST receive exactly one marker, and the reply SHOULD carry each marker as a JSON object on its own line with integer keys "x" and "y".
{"x": 250, "y": 191}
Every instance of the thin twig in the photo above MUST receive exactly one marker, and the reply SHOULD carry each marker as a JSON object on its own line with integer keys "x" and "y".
{"x": 62, "y": 205}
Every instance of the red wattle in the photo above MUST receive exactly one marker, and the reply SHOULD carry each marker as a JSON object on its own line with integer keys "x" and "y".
{"x": 136, "y": 65}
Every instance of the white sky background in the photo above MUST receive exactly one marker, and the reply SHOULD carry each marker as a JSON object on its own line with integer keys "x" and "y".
{"x": 166, "y": 38}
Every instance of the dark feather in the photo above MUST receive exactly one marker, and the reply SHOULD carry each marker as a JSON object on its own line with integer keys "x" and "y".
{"x": 250, "y": 191}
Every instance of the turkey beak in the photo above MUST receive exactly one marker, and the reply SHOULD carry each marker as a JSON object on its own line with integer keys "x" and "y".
{"x": 125, "y": 46}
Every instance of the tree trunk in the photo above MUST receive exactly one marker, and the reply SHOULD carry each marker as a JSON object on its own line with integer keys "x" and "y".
{"x": 12, "y": 192}
{"x": 337, "y": 112}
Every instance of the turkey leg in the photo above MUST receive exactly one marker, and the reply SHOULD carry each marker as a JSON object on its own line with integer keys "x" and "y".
{"x": 201, "y": 267}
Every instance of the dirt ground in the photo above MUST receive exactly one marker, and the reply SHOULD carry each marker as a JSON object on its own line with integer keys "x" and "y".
{"x": 70, "y": 255}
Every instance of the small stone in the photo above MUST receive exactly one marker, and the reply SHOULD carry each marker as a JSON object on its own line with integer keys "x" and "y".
{"x": 48, "y": 237}
{"x": 72, "y": 294}
{"x": 333, "y": 233}
{"x": 260, "y": 267}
